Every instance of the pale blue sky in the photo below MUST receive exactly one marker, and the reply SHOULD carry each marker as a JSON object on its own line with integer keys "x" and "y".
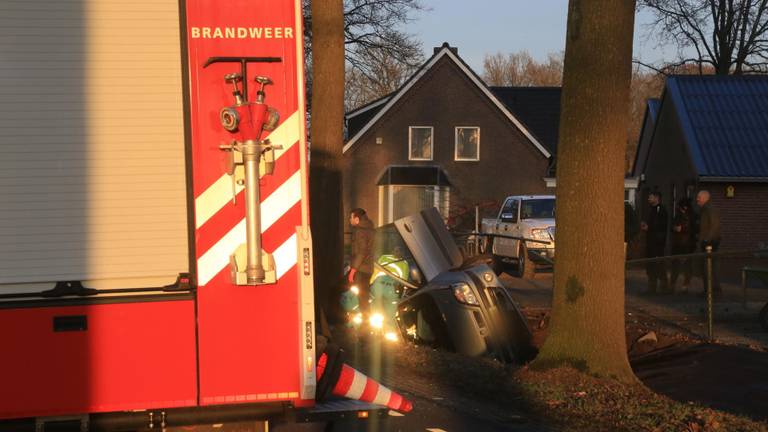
{"x": 479, "y": 27}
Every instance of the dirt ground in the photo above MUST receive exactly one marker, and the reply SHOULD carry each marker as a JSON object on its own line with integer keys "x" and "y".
{"x": 688, "y": 385}
{"x": 729, "y": 377}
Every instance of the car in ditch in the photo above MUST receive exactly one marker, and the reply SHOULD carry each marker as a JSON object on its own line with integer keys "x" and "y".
{"x": 445, "y": 300}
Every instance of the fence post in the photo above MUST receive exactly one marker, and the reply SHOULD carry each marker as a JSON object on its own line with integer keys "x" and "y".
{"x": 477, "y": 230}
{"x": 709, "y": 292}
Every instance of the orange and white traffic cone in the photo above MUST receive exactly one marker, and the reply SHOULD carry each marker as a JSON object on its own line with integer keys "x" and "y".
{"x": 352, "y": 384}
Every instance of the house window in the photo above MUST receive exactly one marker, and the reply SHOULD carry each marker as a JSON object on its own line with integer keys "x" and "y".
{"x": 420, "y": 143}
{"x": 398, "y": 201}
{"x": 467, "y": 144}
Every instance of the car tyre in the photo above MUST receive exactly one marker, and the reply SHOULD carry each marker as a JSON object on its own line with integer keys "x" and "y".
{"x": 525, "y": 268}
{"x": 496, "y": 264}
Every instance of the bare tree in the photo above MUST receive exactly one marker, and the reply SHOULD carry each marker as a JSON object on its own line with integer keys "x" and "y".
{"x": 361, "y": 88}
{"x": 728, "y": 35}
{"x": 520, "y": 69}
{"x": 374, "y": 42}
{"x": 645, "y": 85}
{"x": 587, "y": 328}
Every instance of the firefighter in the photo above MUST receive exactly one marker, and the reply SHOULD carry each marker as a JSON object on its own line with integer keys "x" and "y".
{"x": 386, "y": 290}
{"x": 361, "y": 266}
{"x": 384, "y": 294}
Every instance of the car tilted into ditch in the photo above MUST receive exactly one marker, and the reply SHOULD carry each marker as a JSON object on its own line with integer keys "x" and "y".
{"x": 446, "y": 301}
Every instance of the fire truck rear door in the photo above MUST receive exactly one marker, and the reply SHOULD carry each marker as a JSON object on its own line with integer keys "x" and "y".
{"x": 255, "y": 341}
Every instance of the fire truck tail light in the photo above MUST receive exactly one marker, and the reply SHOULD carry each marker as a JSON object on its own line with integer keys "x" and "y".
{"x": 310, "y": 364}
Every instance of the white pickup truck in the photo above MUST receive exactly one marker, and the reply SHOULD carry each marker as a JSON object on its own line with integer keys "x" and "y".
{"x": 522, "y": 216}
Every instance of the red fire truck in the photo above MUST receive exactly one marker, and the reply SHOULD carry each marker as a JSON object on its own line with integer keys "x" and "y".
{"x": 155, "y": 252}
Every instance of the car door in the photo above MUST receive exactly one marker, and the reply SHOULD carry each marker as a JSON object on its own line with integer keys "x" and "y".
{"x": 505, "y": 225}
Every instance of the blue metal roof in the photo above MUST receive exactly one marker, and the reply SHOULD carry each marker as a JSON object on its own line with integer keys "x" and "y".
{"x": 725, "y": 122}
{"x": 653, "y": 108}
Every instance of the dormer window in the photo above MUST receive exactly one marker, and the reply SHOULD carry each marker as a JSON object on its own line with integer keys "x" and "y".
{"x": 420, "y": 143}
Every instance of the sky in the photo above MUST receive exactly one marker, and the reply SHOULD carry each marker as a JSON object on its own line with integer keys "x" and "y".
{"x": 481, "y": 27}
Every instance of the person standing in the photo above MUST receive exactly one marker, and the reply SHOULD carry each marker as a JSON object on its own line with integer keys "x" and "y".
{"x": 655, "y": 227}
{"x": 709, "y": 235}
{"x": 631, "y": 225}
{"x": 361, "y": 265}
{"x": 683, "y": 242}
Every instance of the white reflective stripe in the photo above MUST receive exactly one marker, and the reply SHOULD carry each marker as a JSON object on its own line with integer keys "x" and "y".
{"x": 220, "y": 192}
{"x": 217, "y": 257}
{"x": 357, "y": 387}
{"x": 395, "y": 269}
{"x": 383, "y": 396}
{"x": 285, "y": 256}
{"x": 280, "y": 201}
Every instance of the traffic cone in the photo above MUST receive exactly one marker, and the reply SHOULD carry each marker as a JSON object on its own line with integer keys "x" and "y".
{"x": 352, "y": 384}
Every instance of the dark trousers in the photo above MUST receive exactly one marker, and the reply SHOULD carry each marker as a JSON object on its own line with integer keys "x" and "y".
{"x": 681, "y": 265}
{"x": 656, "y": 270}
{"x": 715, "y": 266}
{"x": 363, "y": 282}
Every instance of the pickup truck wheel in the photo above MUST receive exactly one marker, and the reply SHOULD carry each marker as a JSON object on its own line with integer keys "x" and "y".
{"x": 525, "y": 268}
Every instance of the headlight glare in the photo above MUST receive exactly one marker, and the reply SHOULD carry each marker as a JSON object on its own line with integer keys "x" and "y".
{"x": 376, "y": 321}
{"x": 540, "y": 234}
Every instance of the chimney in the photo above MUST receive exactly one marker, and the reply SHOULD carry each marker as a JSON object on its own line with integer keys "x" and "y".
{"x": 446, "y": 45}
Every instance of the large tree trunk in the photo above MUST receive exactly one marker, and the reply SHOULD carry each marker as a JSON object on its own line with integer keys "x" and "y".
{"x": 587, "y": 328}
{"x": 326, "y": 137}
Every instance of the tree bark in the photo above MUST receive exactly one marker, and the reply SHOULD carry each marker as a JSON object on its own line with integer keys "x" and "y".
{"x": 326, "y": 137}
{"x": 588, "y": 327}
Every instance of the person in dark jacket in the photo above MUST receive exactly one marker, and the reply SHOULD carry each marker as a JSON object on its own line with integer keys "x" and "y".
{"x": 709, "y": 235}
{"x": 655, "y": 227}
{"x": 361, "y": 265}
{"x": 683, "y": 242}
{"x": 631, "y": 225}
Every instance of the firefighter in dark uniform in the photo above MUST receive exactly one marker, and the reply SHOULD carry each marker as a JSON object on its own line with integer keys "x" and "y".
{"x": 655, "y": 227}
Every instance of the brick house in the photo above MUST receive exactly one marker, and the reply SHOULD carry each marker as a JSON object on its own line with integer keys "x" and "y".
{"x": 445, "y": 139}
{"x": 711, "y": 132}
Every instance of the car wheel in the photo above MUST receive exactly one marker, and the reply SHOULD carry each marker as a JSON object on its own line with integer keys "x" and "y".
{"x": 525, "y": 268}
{"x": 764, "y": 317}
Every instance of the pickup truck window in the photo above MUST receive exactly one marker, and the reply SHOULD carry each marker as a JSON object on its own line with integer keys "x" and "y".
{"x": 509, "y": 211}
{"x": 538, "y": 209}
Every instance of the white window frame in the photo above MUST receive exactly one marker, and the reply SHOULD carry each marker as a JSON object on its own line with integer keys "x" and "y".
{"x": 410, "y": 143}
{"x": 456, "y": 144}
